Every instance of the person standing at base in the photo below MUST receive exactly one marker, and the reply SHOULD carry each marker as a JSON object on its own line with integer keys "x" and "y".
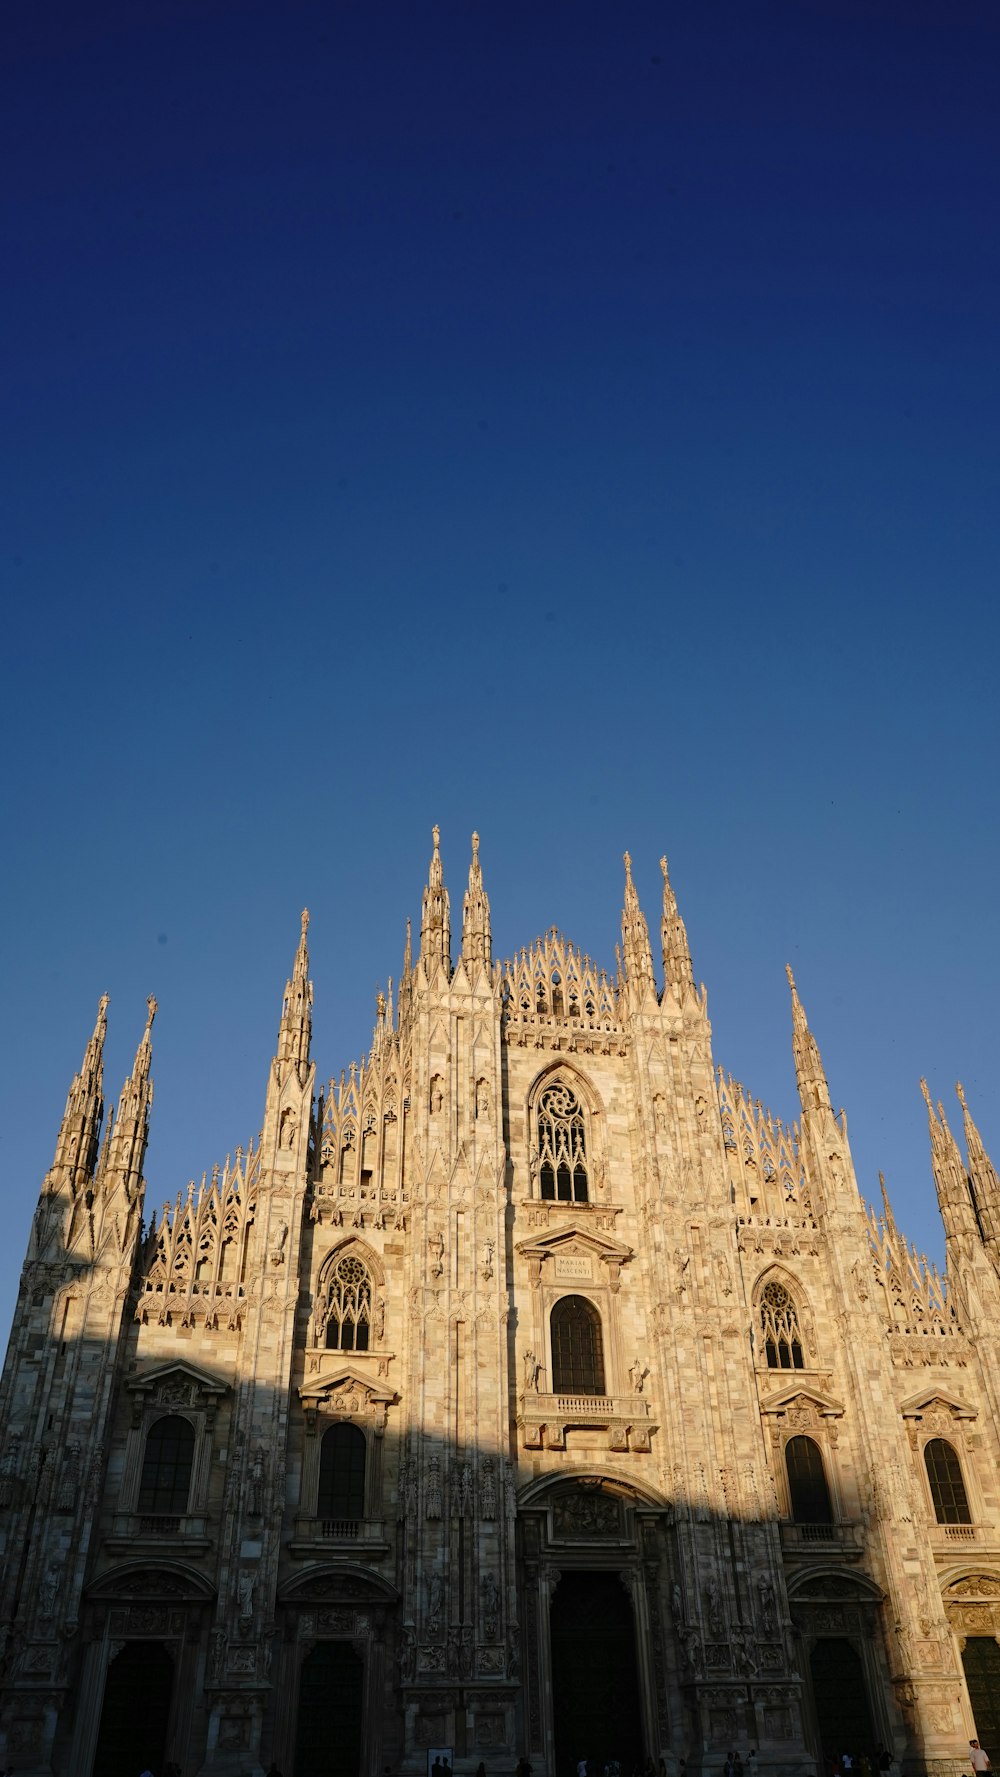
{"x": 978, "y": 1757}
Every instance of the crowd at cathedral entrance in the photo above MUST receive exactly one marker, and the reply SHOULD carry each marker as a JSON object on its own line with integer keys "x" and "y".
{"x": 526, "y": 1390}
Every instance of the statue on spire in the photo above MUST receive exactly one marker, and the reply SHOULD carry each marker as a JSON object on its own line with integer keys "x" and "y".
{"x": 636, "y": 953}
{"x": 950, "y": 1177}
{"x": 813, "y": 1089}
{"x": 295, "y": 1029}
{"x": 677, "y": 969}
{"x": 79, "y": 1132}
{"x": 476, "y": 940}
{"x": 435, "y": 922}
{"x": 983, "y": 1180}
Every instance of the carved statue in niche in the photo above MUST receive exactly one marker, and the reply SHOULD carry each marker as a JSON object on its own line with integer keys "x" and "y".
{"x": 637, "y": 1375}
{"x": 435, "y": 1602}
{"x": 716, "y": 1613}
{"x": 765, "y": 1592}
{"x": 287, "y": 1129}
{"x": 437, "y": 1095}
{"x": 435, "y": 1247}
{"x": 434, "y": 1487}
{"x": 491, "y": 1606}
{"x": 482, "y": 1099}
{"x": 246, "y": 1587}
{"x": 532, "y": 1371}
{"x": 255, "y": 1504}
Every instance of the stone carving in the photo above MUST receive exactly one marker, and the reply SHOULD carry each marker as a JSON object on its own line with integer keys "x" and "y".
{"x": 246, "y": 1586}
{"x": 406, "y": 1659}
{"x": 435, "y": 1602}
{"x": 434, "y": 1487}
{"x": 488, "y": 1488}
{"x": 585, "y": 1511}
{"x": 491, "y": 1606}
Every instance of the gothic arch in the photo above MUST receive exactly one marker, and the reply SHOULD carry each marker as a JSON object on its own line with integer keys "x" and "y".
{"x": 354, "y": 1247}
{"x": 784, "y": 1334}
{"x": 153, "y": 1580}
{"x": 564, "y": 1125}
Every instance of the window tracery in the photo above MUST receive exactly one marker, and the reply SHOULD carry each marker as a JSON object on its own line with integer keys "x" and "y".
{"x": 347, "y": 1309}
{"x": 563, "y": 1167}
{"x": 779, "y": 1322}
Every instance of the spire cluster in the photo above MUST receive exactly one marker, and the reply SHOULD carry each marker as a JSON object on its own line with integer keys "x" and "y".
{"x": 636, "y": 953}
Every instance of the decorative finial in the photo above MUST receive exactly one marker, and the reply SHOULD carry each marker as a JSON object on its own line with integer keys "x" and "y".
{"x": 475, "y": 845}
{"x": 436, "y": 836}
{"x": 961, "y": 1094}
{"x": 927, "y": 1097}
{"x": 627, "y": 859}
{"x": 151, "y": 1010}
{"x": 305, "y": 921}
{"x": 103, "y": 1004}
{"x": 791, "y": 977}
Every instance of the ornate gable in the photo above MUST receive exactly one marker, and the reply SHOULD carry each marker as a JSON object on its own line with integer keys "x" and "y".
{"x": 572, "y": 1253}
{"x": 174, "y": 1384}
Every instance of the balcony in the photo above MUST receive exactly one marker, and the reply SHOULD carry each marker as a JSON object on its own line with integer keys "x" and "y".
{"x": 358, "y": 1536}
{"x": 545, "y": 1419}
{"x": 154, "y": 1529}
{"x": 846, "y": 1540}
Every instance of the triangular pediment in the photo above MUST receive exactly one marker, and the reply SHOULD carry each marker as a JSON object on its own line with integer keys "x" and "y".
{"x": 930, "y": 1398}
{"x": 575, "y": 1238}
{"x": 804, "y": 1400}
{"x": 347, "y": 1386}
{"x": 176, "y": 1383}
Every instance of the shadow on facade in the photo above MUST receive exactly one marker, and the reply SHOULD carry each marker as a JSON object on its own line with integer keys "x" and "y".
{"x": 191, "y": 1594}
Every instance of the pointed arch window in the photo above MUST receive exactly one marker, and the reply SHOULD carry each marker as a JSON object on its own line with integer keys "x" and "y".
{"x": 779, "y": 1323}
{"x": 349, "y": 1305}
{"x": 166, "y": 1467}
{"x": 944, "y": 1472}
{"x": 577, "y": 1347}
{"x": 563, "y": 1169}
{"x": 807, "y": 1486}
{"x": 342, "y": 1473}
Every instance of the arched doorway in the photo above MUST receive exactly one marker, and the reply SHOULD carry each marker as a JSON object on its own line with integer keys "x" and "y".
{"x": 840, "y": 1697}
{"x": 596, "y": 1707}
{"x": 329, "y": 1724}
{"x": 981, "y": 1662}
{"x": 136, "y": 1713}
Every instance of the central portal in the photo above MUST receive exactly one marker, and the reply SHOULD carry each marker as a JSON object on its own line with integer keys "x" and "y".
{"x": 595, "y": 1683}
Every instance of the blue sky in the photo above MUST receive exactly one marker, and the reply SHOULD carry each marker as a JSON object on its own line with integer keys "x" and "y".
{"x": 578, "y": 423}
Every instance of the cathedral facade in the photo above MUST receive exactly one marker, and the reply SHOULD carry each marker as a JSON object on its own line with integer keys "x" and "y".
{"x": 526, "y": 1392}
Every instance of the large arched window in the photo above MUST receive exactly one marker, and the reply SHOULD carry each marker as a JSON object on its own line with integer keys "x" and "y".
{"x": 166, "y": 1467}
{"x": 349, "y": 1305}
{"x": 562, "y": 1145}
{"x": 342, "y": 1473}
{"x": 807, "y": 1488}
{"x": 944, "y": 1472}
{"x": 780, "y": 1326}
{"x": 577, "y": 1349}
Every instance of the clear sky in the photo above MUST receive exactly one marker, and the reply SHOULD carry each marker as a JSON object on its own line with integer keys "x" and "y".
{"x": 577, "y": 422}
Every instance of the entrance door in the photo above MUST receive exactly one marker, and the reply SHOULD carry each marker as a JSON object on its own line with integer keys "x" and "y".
{"x": 840, "y": 1696}
{"x": 595, "y": 1679}
{"x": 136, "y": 1712}
{"x": 331, "y": 1696}
{"x": 981, "y": 1659}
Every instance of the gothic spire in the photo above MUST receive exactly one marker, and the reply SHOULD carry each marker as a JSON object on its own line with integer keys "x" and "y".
{"x": 636, "y": 953}
{"x": 476, "y": 915}
{"x": 295, "y": 1029}
{"x": 950, "y": 1178}
{"x": 435, "y": 922}
{"x": 79, "y": 1131}
{"x": 813, "y": 1089}
{"x": 126, "y": 1149}
{"x": 677, "y": 969}
{"x": 984, "y": 1180}
{"x": 406, "y": 980}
